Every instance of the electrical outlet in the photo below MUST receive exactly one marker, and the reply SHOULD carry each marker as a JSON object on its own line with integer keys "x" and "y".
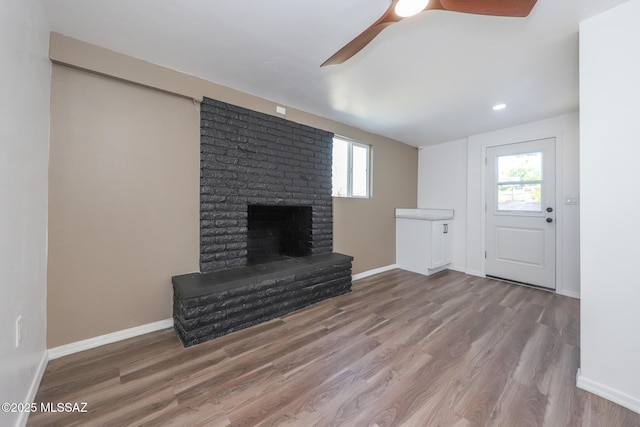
{"x": 281, "y": 110}
{"x": 18, "y": 331}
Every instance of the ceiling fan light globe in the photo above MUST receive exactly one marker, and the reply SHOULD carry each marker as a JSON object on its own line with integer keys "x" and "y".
{"x": 406, "y": 8}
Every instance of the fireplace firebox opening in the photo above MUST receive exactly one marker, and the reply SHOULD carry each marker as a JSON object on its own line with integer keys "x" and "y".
{"x": 277, "y": 232}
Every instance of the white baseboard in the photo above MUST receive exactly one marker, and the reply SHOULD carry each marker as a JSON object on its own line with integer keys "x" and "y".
{"x": 33, "y": 388}
{"x": 475, "y": 273}
{"x": 373, "y": 272}
{"x": 456, "y": 268}
{"x": 75, "y": 347}
{"x": 571, "y": 294}
{"x": 608, "y": 393}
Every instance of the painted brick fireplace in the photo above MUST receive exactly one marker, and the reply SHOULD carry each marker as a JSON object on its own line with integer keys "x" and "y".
{"x": 266, "y": 224}
{"x": 251, "y": 158}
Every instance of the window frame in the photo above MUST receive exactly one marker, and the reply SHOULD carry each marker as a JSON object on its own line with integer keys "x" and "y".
{"x": 350, "y": 144}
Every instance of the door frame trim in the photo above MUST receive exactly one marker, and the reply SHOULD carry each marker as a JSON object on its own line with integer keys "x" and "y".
{"x": 541, "y": 144}
{"x": 559, "y": 207}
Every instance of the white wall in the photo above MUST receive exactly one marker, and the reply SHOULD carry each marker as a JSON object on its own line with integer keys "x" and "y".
{"x": 442, "y": 184}
{"x": 610, "y": 151}
{"x": 445, "y": 162}
{"x": 24, "y": 150}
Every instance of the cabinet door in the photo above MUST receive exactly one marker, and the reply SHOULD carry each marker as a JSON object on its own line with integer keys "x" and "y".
{"x": 446, "y": 244}
{"x": 413, "y": 250}
{"x": 440, "y": 244}
{"x": 437, "y": 244}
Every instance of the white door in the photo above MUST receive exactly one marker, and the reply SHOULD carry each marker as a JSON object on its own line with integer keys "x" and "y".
{"x": 520, "y": 210}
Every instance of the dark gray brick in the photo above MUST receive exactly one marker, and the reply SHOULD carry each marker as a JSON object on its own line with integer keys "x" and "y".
{"x": 251, "y": 157}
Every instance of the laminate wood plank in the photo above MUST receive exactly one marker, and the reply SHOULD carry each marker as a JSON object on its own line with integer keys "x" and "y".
{"x": 520, "y": 296}
{"x": 81, "y": 382}
{"x": 462, "y": 375}
{"x": 453, "y": 307}
{"x": 109, "y": 356}
{"x": 261, "y": 331}
{"x": 537, "y": 360}
{"x": 172, "y": 364}
{"x": 132, "y": 409}
{"x": 566, "y": 403}
{"x": 328, "y": 368}
{"x": 602, "y": 413}
{"x": 478, "y": 401}
{"x": 290, "y": 336}
{"x": 424, "y": 396}
{"x": 239, "y": 366}
{"x": 457, "y": 335}
{"x": 563, "y": 316}
{"x": 498, "y": 291}
{"x": 401, "y": 349}
{"x": 444, "y": 294}
{"x": 238, "y": 391}
{"x": 519, "y": 405}
{"x": 349, "y": 407}
{"x": 175, "y": 415}
{"x": 410, "y": 327}
{"x": 376, "y": 403}
{"x": 311, "y": 404}
{"x": 112, "y": 406}
{"x": 337, "y": 339}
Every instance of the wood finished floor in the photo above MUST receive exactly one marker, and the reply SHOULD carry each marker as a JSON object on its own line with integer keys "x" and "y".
{"x": 401, "y": 349}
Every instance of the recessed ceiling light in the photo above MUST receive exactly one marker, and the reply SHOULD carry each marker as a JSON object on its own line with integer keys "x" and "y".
{"x": 407, "y": 8}
{"x": 499, "y": 107}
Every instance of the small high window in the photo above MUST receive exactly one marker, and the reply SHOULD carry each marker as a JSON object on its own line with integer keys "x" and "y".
{"x": 351, "y": 165}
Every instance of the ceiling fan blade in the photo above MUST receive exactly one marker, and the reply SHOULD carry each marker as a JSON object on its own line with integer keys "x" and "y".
{"x": 511, "y": 8}
{"x": 356, "y": 45}
{"x": 515, "y": 8}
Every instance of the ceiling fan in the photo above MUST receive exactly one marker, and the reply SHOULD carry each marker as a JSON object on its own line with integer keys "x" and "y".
{"x": 400, "y": 9}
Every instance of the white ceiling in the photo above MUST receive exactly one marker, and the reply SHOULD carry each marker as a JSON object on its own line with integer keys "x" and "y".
{"x": 431, "y": 78}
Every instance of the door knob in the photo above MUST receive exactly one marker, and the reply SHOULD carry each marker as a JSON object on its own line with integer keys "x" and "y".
{"x": 549, "y": 219}
{"x": 549, "y": 209}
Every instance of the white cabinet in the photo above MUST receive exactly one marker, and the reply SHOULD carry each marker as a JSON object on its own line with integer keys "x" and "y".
{"x": 440, "y": 244}
{"x": 423, "y": 239}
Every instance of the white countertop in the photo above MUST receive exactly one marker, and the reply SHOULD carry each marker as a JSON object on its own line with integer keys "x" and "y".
{"x": 425, "y": 214}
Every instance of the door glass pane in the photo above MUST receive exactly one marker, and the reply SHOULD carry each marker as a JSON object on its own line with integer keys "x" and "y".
{"x": 523, "y": 197}
{"x": 360, "y": 165}
{"x": 520, "y": 167}
{"x": 520, "y": 182}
